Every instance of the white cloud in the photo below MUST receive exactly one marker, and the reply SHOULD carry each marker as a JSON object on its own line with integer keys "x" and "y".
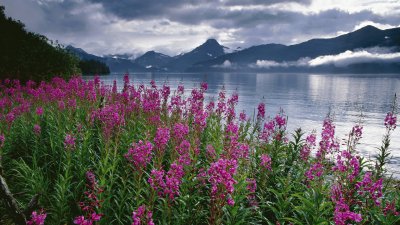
{"x": 382, "y": 7}
{"x": 227, "y": 64}
{"x": 368, "y": 55}
{"x": 349, "y": 57}
{"x": 377, "y": 25}
{"x": 270, "y": 63}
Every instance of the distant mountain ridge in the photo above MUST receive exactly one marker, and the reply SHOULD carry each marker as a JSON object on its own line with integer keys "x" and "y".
{"x": 209, "y": 50}
{"x": 212, "y": 56}
{"x": 114, "y": 63}
{"x": 154, "y": 61}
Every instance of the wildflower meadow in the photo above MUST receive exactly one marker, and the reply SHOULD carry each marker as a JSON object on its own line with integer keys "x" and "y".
{"x": 82, "y": 152}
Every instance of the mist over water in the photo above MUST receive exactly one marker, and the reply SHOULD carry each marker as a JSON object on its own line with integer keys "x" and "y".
{"x": 305, "y": 98}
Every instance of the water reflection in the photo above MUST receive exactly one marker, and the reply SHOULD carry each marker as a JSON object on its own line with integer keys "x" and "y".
{"x": 306, "y": 99}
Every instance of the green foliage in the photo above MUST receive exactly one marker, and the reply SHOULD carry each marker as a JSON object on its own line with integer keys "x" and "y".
{"x": 93, "y": 67}
{"x": 30, "y": 56}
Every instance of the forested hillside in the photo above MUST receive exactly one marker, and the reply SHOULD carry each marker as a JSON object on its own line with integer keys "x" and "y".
{"x": 29, "y": 56}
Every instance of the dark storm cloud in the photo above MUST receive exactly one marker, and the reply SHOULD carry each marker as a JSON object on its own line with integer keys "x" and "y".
{"x": 53, "y": 16}
{"x": 135, "y": 9}
{"x": 60, "y": 17}
{"x": 139, "y": 9}
{"x": 262, "y": 2}
{"x": 220, "y": 18}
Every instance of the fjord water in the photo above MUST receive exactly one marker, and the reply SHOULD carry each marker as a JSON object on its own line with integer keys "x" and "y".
{"x": 305, "y": 98}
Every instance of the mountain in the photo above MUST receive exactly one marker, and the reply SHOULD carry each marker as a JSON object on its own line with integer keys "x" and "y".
{"x": 123, "y": 65}
{"x": 114, "y": 63}
{"x": 302, "y": 57}
{"x": 155, "y": 61}
{"x": 82, "y": 54}
{"x": 209, "y": 50}
{"x": 364, "y": 38}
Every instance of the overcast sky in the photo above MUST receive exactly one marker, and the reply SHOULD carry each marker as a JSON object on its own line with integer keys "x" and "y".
{"x": 174, "y": 26}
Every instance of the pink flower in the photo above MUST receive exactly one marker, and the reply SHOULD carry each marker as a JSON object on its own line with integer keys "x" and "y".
{"x": 91, "y": 202}
{"x": 111, "y": 117}
{"x": 161, "y": 138}
{"x": 268, "y": 130}
{"x": 328, "y": 143}
{"x": 261, "y": 111}
{"x": 221, "y": 175}
{"x": 345, "y": 162}
{"x": 230, "y": 201}
{"x": 221, "y": 103}
{"x": 95, "y": 216}
{"x": 173, "y": 180}
{"x": 36, "y": 129}
{"x": 180, "y": 131}
{"x": 61, "y": 105}
{"x": 210, "y": 106}
{"x": 265, "y": 162}
{"x": 114, "y": 87}
{"x": 307, "y": 147}
{"x": 90, "y": 178}
{"x": 137, "y": 214}
{"x": 280, "y": 120}
{"x": 166, "y": 91}
{"x": 153, "y": 84}
{"x": 184, "y": 159}
{"x": 181, "y": 89}
{"x": 390, "y": 121}
{"x": 80, "y": 220}
{"x": 221, "y": 94}
{"x": 37, "y": 218}
{"x": 391, "y": 208}
{"x": 242, "y": 116}
{"x": 371, "y": 189}
{"x": 39, "y": 111}
{"x": 140, "y": 215}
{"x": 230, "y": 112}
{"x": 204, "y": 86}
{"x": 69, "y": 142}
{"x": 183, "y": 148}
{"x": 177, "y": 102}
{"x": 357, "y": 131}
{"x": 167, "y": 185}
{"x": 234, "y": 99}
{"x": 2, "y": 140}
{"x": 211, "y": 152}
{"x": 139, "y": 155}
{"x": 126, "y": 81}
{"x": 156, "y": 181}
{"x": 316, "y": 170}
{"x": 184, "y": 153}
{"x": 251, "y": 185}
{"x": 343, "y": 214}
{"x": 10, "y": 117}
{"x": 71, "y": 103}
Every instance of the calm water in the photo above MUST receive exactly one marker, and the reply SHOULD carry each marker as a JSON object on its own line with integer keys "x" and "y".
{"x": 306, "y": 99}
